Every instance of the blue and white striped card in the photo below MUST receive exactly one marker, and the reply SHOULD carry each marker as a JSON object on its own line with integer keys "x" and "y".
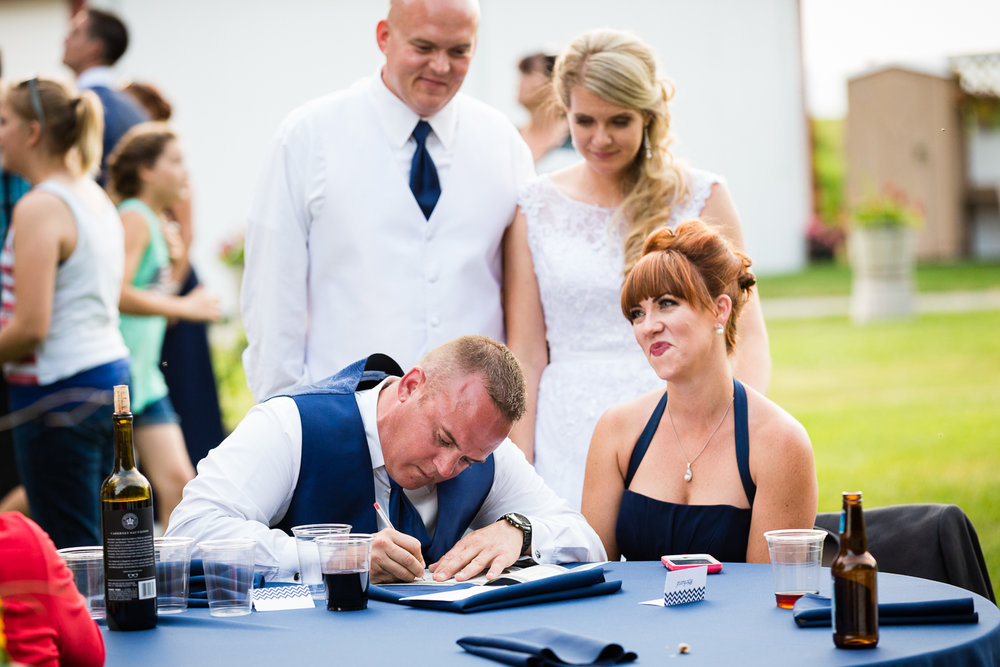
{"x": 278, "y": 598}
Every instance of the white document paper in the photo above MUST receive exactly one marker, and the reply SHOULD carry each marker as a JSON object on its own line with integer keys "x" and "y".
{"x": 451, "y": 594}
{"x": 279, "y": 598}
{"x": 511, "y": 575}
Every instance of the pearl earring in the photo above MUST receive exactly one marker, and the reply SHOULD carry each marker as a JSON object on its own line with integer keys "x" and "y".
{"x": 645, "y": 142}
{"x": 719, "y": 328}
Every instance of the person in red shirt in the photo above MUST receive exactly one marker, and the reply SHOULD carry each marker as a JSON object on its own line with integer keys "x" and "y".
{"x": 45, "y": 619}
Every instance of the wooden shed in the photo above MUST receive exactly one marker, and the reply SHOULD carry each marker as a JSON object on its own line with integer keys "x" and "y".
{"x": 903, "y": 128}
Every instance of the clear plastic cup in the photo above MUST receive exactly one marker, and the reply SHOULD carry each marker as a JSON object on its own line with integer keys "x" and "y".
{"x": 87, "y": 566}
{"x": 173, "y": 569}
{"x": 796, "y": 555}
{"x": 305, "y": 544}
{"x": 345, "y": 562}
{"x": 228, "y": 575}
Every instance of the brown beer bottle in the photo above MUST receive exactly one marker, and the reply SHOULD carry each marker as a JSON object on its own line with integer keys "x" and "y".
{"x": 127, "y": 531}
{"x": 855, "y": 591}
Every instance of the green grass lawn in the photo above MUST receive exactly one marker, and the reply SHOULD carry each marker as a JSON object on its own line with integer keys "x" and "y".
{"x": 906, "y": 412}
{"x": 834, "y": 279}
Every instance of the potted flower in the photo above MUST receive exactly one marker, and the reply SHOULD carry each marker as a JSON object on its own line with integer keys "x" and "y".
{"x": 881, "y": 247}
{"x": 231, "y": 256}
{"x": 231, "y": 252}
{"x": 823, "y": 239}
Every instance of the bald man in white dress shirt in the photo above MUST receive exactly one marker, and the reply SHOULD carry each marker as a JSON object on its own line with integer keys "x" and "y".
{"x": 340, "y": 257}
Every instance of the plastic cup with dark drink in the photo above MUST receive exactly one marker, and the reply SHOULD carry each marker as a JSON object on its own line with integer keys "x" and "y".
{"x": 305, "y": 545}
{"x": 345, "y": 562}
{"x": 796, "y": 555}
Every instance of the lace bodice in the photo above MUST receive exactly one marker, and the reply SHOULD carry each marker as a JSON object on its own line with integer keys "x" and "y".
{"x": 594, "y": 361}
{"x": 578, "y": 257}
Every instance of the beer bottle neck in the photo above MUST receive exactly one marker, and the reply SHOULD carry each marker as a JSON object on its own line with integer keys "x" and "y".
{"x": 854, "y": 538}
{"x": 124, "y": 455}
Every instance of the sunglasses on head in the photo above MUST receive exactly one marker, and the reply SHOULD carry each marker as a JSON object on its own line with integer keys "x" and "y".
{"x": 36, "y": 101}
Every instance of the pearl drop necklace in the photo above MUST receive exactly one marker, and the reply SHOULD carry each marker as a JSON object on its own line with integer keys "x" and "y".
{"x": 688, "y": 475}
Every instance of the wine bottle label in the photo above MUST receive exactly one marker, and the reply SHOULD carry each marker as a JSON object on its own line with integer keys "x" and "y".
{"x": 129, "y": 564}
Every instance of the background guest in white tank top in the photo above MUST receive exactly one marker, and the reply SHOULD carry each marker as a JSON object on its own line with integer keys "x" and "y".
{"x": 61, "y": 274}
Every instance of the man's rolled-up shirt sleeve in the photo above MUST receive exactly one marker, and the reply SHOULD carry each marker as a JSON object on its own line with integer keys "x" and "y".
{"x": 560, "y": 534}
{"x": 245, "y": 485}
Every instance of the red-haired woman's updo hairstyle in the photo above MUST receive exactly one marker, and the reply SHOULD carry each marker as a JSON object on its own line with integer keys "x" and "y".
{"x": 695, "y": 263}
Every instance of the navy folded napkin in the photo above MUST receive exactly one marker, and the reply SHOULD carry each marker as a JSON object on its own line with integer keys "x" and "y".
{"x": 567, "y": 586}
{"x": 545, "y": 647}
{"x": 198, "y": 594}
{"x": 813, "y": 611}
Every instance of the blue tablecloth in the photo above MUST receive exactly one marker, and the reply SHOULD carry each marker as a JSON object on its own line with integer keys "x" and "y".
{"x": 737, "y": 623}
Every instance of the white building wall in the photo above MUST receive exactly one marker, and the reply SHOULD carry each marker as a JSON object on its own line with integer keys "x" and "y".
{"x": 234, "y": 68}
{"x": 982, "y": 151}
{"x": 31, "y": 36}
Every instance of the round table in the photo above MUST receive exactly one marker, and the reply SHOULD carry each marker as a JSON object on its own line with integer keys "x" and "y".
{"x": 737, "y": 623}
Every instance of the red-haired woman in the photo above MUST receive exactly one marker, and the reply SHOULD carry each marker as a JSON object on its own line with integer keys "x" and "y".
{"x": 717, "y": 463}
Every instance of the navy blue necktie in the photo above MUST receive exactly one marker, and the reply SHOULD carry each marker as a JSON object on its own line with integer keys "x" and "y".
{"x": 404, "y": 516}
{"x": 423, "y": 174}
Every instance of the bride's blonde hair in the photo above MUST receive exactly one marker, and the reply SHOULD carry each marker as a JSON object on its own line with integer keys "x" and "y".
{"x": 619, "y": 68}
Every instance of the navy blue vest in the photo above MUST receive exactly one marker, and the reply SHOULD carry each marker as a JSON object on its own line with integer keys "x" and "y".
{"x": 335, "y": 481}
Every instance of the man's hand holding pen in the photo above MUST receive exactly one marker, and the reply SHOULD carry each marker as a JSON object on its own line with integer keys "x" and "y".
{"x": 395, "y": 557}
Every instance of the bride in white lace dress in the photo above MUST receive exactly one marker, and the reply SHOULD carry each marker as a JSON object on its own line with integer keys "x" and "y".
{"x": 576, "y": 232}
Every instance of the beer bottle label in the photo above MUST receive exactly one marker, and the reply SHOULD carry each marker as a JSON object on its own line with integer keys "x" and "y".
{"x": 129, "y": 564}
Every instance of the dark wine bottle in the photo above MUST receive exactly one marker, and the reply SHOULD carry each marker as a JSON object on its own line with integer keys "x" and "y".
{"x": 855, "y": 578}
{"x": 127, "y": 531}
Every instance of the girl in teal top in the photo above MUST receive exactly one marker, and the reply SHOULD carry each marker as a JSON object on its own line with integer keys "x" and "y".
{"x": 148, "y": 175}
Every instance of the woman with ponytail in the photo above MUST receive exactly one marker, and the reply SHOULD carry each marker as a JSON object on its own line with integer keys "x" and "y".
{"x": 577, "y": 233}
{"x": 724, "y": 464}
{"x": 61, "y": 272}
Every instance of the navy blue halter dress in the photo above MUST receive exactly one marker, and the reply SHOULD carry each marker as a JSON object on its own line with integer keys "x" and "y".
{"x": 649, "y": 528}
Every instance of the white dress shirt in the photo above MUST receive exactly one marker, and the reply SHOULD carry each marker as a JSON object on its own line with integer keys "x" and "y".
{"x": 246, "y": 484}
{"x": 99, "y": 76}
{"x": 398, "y": 120}
{"x": 340, "y": 261}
